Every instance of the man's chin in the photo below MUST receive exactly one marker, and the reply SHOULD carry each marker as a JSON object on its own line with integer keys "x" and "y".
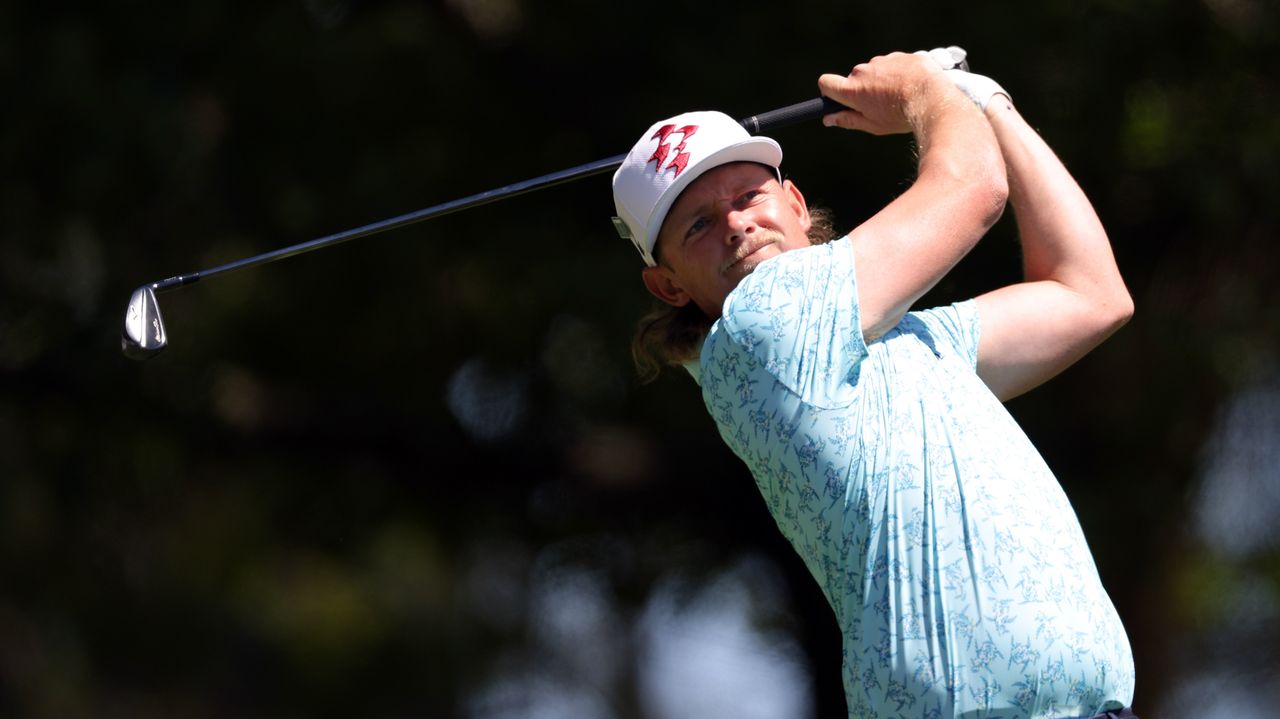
{"x": 736, "y": 272}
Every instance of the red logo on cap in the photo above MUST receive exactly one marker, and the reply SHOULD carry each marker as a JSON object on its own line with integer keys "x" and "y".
{"x": 681, "y": 158}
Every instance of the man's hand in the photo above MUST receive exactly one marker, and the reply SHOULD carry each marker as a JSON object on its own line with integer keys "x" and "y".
{"x": 979, "y": 88}
{"x": 888, "y": 95}
{"x": 950, "y": 58}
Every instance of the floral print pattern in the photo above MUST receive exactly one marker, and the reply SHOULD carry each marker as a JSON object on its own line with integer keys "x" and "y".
{"x": 954, "y": 563}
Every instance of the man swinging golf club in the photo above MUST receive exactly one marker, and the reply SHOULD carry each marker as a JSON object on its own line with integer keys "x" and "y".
{"x": 957, "y": 570}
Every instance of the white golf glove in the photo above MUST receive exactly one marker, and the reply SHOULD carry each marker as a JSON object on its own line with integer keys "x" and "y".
{"x": 979, "y": 88}
{"x": 947, "y": 57}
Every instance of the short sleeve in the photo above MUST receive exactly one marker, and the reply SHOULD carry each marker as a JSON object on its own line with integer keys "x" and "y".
{"x": 797, "y": 315}
{"x": 957, "y": 326}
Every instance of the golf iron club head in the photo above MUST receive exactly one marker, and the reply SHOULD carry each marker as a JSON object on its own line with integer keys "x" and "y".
{"x": 143, "y": 335}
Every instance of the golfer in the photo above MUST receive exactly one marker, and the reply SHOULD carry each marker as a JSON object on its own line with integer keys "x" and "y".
{"x": 957, "y": 570}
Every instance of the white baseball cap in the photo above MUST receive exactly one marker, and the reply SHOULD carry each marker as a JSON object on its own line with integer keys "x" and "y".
{"x": 671, "y": 155}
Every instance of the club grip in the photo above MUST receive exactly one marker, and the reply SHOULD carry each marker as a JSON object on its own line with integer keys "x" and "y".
{"x": 791, "y": 114}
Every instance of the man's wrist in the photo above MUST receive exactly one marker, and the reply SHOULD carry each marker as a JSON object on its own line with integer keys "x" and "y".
{"x": 933, "y": 98}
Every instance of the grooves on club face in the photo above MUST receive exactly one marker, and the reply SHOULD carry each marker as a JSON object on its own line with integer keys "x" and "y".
{"x": 143, "y": 335}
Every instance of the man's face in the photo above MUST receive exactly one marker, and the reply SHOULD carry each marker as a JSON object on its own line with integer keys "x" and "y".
{"x": 724, "y": 224}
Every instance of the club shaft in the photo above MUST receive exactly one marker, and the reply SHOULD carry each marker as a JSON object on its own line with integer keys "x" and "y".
{"x": 392, "y": 223}
{"x": 755, "y": 124}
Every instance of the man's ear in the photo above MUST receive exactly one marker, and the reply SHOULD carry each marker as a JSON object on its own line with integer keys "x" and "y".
{"x": 797, "y": 203}
{"x": 662, "y": 284}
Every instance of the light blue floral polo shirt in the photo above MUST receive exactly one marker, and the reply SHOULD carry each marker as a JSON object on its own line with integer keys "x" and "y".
{"x": 957, "y": 570}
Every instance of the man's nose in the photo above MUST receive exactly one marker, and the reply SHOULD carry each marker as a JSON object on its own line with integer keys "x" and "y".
{"x": 738, "y": 222}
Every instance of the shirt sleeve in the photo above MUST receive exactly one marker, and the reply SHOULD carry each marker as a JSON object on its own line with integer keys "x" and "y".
{"x": 798, "y": 315}
{"x": 956, "y": 326}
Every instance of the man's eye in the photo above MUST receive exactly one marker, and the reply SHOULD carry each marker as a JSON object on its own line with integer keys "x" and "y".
{"x": 697, "y": 226}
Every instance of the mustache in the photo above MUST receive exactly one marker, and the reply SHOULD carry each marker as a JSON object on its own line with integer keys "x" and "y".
{"x": 750, "y": 247}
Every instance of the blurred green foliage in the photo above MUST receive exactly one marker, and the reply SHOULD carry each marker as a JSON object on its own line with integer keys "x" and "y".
{"x": 306, "y": 507}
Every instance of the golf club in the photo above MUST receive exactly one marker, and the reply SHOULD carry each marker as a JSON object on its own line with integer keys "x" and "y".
{"x": 144, "y": 333}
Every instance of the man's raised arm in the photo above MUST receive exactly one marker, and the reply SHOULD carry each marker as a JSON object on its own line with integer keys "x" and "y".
{"x": 1072, "y": 296}
{"x": 960, "y": 191}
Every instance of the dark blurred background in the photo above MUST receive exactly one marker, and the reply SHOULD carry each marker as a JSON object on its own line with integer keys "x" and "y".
{"x": 413, "y": 476}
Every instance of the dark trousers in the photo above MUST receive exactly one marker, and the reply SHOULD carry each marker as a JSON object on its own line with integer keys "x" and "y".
{"x": 1125, "y": 713}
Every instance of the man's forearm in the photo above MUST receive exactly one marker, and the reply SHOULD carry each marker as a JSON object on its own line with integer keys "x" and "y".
{"x": 955, "y": 141}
